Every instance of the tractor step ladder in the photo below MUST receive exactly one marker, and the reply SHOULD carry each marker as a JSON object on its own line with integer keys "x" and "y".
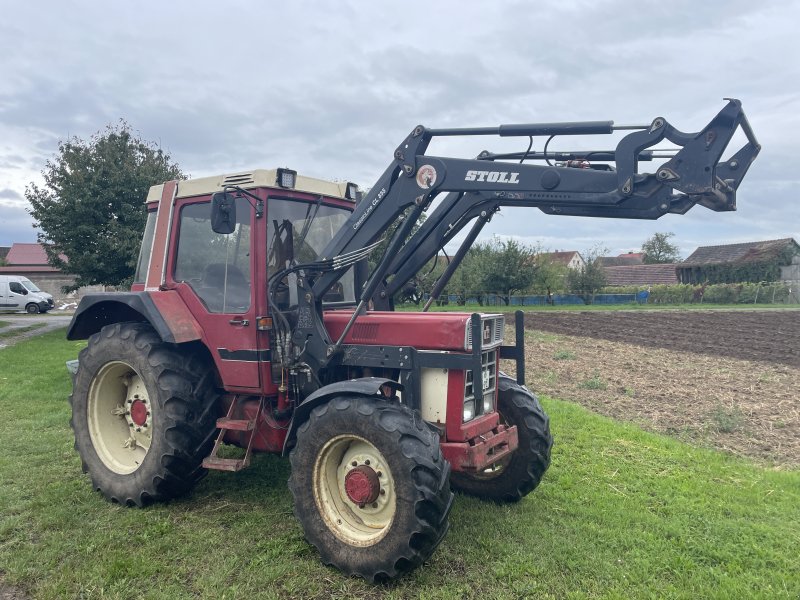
{"x": 228, "y": 423}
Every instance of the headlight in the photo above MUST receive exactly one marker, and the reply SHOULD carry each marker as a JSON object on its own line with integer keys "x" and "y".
{"x": 469, "y": 410}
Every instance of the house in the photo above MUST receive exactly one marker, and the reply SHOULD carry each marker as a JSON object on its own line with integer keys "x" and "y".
{"x": 748, "y": 261}
{"x": 641, "y": 275}
{"x": 571, "y": 259}
{"x": 30, "y": 260}
{"x": 628, "y": 258}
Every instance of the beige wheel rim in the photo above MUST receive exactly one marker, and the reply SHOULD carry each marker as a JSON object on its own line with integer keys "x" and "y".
{"x": 120, "y": 423}
{"x": 344, "y": 462}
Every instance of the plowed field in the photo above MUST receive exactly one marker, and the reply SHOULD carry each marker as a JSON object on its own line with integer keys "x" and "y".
{"x": 771, "y": 336}
{"x": 726, "y": 379}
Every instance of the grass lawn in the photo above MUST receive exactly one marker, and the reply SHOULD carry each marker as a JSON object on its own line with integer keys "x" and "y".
{"x": 621, "y": 514}
{"x": 7, "y": 333}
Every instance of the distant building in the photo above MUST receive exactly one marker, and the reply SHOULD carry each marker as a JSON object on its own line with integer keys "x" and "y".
{"x": 628, "y": 258}
{"x": 571, "y": 259}
{"x": 734, "y": 263}
{"x": 641, "y": 275}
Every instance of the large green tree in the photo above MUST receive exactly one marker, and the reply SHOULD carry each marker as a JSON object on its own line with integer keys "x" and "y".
{"x": 508, "y": 266}
{"x": 658, "y": 249}
{"x": 91, "y": 207}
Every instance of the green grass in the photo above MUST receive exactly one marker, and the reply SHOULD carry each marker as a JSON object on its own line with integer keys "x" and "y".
{"x": 620, "y": 514}
{"x": 4, "y": 324}
{"x": 19, "y": 330}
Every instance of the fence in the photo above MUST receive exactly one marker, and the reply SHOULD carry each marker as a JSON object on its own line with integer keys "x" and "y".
{"x": 746, "y": 293}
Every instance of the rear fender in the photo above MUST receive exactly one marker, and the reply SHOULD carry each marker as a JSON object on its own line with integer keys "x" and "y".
{"x": 98, "y": 310}
{"x": 364, "y": 386}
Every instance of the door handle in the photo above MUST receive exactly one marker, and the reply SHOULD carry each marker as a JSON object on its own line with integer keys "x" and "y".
{"x": 242, "y": 322}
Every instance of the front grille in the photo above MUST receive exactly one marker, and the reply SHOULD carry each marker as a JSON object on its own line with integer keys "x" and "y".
{"x": 488, "y": 377}
{"x": 492, "y": 331}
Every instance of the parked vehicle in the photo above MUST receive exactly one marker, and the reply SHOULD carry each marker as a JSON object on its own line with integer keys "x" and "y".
{"x": 253, "y": 319}
{"x": 20, "y": 293}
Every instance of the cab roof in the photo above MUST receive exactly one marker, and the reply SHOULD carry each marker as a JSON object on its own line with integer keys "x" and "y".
{"x": 248, "y": 180}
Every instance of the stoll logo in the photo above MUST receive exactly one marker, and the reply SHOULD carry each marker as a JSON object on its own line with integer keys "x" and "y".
{"x": 492, "y": 176}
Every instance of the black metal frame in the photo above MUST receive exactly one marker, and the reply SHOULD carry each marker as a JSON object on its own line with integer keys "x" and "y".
{"x": 477, "y": 188}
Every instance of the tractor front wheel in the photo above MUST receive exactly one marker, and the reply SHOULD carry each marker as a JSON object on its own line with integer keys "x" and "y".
{"x": 515, "y": 476}
{"x": 370, "y": 486}
{"x": 143, "y": 413}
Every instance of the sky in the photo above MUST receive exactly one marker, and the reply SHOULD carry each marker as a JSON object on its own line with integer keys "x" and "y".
{"x": 331, "y": 88}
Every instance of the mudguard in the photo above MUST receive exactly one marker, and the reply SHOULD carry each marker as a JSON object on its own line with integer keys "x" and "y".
{"x": 364, "y": 386}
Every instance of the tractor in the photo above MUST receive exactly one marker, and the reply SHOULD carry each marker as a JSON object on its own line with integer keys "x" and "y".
{"x": 255, "y": 321}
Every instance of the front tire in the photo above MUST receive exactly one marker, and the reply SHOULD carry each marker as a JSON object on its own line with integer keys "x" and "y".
{"x": 143, "y": 413}
{"x": 514, "y": 477}
{"x": 32, "y": 309}
{"x": 370, "y": 486}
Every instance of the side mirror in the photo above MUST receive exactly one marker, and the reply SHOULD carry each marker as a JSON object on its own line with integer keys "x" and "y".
{"x": 223, "y": 213}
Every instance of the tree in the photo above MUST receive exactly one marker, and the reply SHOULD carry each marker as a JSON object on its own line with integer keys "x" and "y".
{"x": 508, "y": 267}
{"x": 658, "y": 249}
{"x": 91, "y": 208}
{"x": 588, "y": 280}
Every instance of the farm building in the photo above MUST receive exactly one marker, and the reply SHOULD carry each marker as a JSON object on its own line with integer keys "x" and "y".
{"x": 571, "y": 259}
{"x": 641, "y": 275}
{"x": 769, "y": 260}
{"x": 626, "y": 259}
{"x": 30, "y": 260}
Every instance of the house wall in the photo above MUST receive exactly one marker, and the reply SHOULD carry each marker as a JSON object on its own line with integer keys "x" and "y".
{"x": 792, "y": 272}
{"x": 53, "y": 282}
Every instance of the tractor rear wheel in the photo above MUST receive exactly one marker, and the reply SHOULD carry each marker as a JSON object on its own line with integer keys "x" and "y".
{"x": 370, "y": 486}
{"x": 143, "y": 413}
{"x": 515, "y": 476}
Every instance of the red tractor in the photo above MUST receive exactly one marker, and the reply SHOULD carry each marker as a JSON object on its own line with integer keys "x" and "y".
{"x": 254, "y": 321}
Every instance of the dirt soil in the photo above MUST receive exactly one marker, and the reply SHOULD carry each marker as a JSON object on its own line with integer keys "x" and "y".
{"x": 771, "y": 336}
{"x": 727, "y": 379}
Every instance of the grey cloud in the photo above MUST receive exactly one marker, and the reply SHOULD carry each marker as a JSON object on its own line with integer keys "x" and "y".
{"x": 9, "y": 194}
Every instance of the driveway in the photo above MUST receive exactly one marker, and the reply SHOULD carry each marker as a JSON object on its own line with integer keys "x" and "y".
{"x": 18, "y": 322}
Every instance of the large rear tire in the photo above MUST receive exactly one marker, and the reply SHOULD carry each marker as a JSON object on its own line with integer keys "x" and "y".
{"x": 143, "y": 413}
{"x": 517, "y": 475}
{"x": 370, "y": 486}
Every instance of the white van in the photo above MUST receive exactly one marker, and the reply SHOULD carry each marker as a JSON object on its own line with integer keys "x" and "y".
{"x": 20, "y": 293}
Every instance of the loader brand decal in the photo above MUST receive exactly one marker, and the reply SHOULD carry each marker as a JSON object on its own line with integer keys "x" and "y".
{"x": 492, "y": 176}
{"x": 426, "y": 177}
{"x": 375, "y": 201}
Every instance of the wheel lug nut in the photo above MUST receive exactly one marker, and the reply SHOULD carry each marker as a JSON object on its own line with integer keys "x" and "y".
{"x": 354, "y": 463}
{"x": 379, "y": 474}
{"x": 374, "y": 505}
{"x": 366, "y": 462}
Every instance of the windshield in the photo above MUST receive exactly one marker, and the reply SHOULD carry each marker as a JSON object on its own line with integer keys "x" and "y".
{"x": 29, "y": 285}
{"x": 297, "y": 232}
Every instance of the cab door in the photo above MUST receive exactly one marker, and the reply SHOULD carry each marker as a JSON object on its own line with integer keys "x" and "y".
{"x": 16, "y": 295}
{"x": 215, "y": 275}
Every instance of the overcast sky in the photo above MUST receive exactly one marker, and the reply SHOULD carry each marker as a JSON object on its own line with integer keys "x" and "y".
{"x": 331, "y": 88}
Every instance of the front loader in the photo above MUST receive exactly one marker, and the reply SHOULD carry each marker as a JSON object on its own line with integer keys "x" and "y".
{"x": 254, "y": 322}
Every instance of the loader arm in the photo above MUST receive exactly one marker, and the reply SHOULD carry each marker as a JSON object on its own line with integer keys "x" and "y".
{"x": 476, "y": 188}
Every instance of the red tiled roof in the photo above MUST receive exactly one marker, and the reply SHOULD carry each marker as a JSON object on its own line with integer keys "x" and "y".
{"x": 641, "y": 274}
{"x": 630, "y": 258}
{"x": 28, "y": 254}
{"x": 561, "y": 258}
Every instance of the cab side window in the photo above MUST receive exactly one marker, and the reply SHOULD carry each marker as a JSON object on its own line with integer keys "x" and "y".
{"x": 216, "y": 266}
{"x": 17, "y": 288}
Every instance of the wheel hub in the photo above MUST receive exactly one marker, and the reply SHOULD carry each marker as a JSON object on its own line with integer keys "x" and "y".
{"x": 138, "y": 412}
{"x": 362, "y": 485}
